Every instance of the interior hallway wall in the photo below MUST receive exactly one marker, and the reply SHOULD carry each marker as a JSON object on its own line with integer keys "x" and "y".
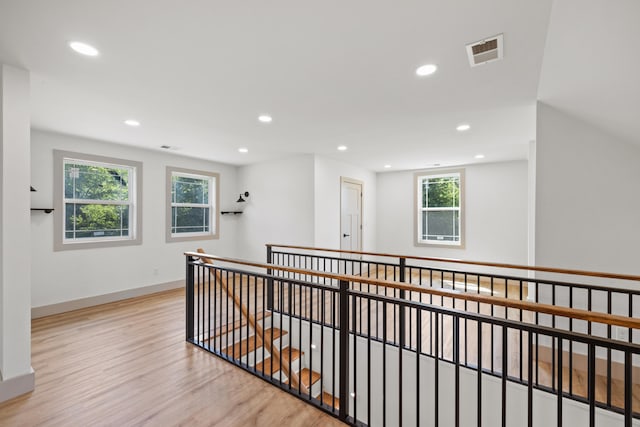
{"x": 73, "y": 274}
{"x": 496, "y": 197}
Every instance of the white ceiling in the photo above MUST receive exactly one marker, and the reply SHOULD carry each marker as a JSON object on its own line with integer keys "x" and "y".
{"x": 592, "y": 64}
{"x": 198, "y": 73}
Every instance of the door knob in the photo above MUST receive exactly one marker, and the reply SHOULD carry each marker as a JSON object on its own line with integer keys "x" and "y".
{"x": 346, "y": 235}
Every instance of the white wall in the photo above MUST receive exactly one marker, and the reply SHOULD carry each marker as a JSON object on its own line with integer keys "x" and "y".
{"x": 496, "y": 214}
{"x": 587, "y": 200}
{"x": 280, "y": 206}
{"x": 327, "y": 202}
{"x": 16, "y": 376}
{"x": 73, "y": 274}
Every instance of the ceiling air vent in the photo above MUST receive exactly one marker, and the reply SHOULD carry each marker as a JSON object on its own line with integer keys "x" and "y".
{"x": 486, "y": 50}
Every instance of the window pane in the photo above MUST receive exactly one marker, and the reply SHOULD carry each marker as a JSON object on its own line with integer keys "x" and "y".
{"x": 189, "y": 190}
{"x": 443, "y": 192}
{"x": 189, "y": 220}
{"x": 96, "y": 220}
{"x": 424, "y": 184}
{"x": 441, "y": 225}
{"x": 95, "y": 182}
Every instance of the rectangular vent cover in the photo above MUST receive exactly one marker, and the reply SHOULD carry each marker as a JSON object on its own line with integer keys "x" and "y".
{"x": 487, "y": 50}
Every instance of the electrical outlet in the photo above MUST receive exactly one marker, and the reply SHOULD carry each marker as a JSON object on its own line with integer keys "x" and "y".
{"x": 622, "y": 334}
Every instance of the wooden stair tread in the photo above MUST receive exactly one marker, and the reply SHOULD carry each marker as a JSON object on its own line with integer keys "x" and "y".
{"x": 304, "y": 377}
{"x": 327, "y": 399}
{"x": 243, "y": 347}
{"x": 247, "y": 345}
{"x": 284, "y": 354}
{"x": 221, "y": 330}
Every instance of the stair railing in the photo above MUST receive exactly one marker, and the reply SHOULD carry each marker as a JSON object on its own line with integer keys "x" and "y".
{"x": 360, "y": 299}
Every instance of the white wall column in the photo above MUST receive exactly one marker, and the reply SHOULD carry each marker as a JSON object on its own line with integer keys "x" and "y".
{"x": 16, "y": 375}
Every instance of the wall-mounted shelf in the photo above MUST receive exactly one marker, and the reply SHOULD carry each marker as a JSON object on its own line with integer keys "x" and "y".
{"x": 230, "y": 212}
{"x": 46, "y": 210}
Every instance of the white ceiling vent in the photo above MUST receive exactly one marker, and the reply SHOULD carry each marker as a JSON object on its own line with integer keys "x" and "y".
{"x": 487, "y": 50}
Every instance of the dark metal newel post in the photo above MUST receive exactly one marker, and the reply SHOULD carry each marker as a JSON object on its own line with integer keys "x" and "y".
{"x": 190, "y": 297}
{"x": 402, "y": 326}
{"x": 269, "y": 280}
{"x": 344, "y": 350}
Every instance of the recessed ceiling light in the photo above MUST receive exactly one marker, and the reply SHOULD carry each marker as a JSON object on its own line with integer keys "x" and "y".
{"x": 243, "y": 150}
{"x": 426, "y": 70}
{"x": 342, "y": 148}
{"x": 132, "y": 123}
{"x": 265, "y": 118}
{"x": 479, "y": 156}
{"x": 463, "y": 127}
{"x": 84, "y": 49}
{"x": 387, "y": 166}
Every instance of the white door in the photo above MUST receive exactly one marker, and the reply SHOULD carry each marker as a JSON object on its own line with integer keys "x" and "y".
{"x": 350, "y": 215}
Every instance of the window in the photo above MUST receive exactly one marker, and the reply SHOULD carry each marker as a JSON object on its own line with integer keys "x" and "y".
{"x": 97, "y": 198}
{"x": 439, "y": 219}
{"x": 192, "y": 206}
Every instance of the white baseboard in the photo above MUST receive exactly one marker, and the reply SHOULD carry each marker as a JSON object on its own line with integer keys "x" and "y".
{"x": 48, "y": 310}
{"x": 17, "y": 386}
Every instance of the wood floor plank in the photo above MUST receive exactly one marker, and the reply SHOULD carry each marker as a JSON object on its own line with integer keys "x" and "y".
{"x": 126, "y": 363}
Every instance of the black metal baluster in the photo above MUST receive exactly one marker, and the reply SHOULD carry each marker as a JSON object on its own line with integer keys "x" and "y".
{"x": 269, "y": 280}
{"x": 504, "y": 376}
{"x": 628, "y": 389}
{"x": 559, "y": 391}
{"x": 592, "y": 384}
{"x": 198, "y": 336}
{"x": 300, "y": 292}
{"x": 521, "y": 340}
{"x": 384, "y": 362}
{"x": 310, "y": 340}
{"x": 355, "y": 356}
{"x": 215, "y": 311}
{"x": 190, "y": 267}
{"x": 322, "y": 326}
{"x": 436, "y": 373}
{"x": 570, "y": 342}
{"x": 418, "y": 353}
{"x": 456, "y": 361}
{"x": 609, "y": 352}
{"x": 369, "y": 360}
{"x": 479, "y": 370}
{"x": 529, "y": 378}
{"x": 492, "y": 328}
{"x": 344, "y": 349}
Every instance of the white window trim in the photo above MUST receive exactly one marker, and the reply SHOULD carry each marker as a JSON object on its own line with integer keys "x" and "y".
{"x": 214, "y": 203}
{"x": 418, "y": 209}
{"x": 60, "y": 243}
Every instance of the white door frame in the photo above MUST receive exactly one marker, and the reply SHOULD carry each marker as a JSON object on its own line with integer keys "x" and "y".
{"x": 361, "y": 184}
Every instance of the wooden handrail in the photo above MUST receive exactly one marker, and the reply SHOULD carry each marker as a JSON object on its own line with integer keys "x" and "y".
{"x": 604, "y": 318}
{"x": 599, "y": 274}
{"x": 295, "y": 381}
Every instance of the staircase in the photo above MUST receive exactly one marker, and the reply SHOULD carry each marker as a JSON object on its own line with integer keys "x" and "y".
{"x": 240, "y": 343}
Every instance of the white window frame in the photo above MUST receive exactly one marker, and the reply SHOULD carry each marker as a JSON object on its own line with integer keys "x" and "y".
{"x": 418, "y": 209}
{"x": 134, "y": 237}
{"x": 213, "y": 179}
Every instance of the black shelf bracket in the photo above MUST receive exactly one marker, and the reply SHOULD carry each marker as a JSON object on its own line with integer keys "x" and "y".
{"x": 230, "y": 212}
{"x": 45, "y": 210}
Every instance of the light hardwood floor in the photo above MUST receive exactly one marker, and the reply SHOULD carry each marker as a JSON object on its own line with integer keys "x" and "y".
{"x": 127, "y": 364}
